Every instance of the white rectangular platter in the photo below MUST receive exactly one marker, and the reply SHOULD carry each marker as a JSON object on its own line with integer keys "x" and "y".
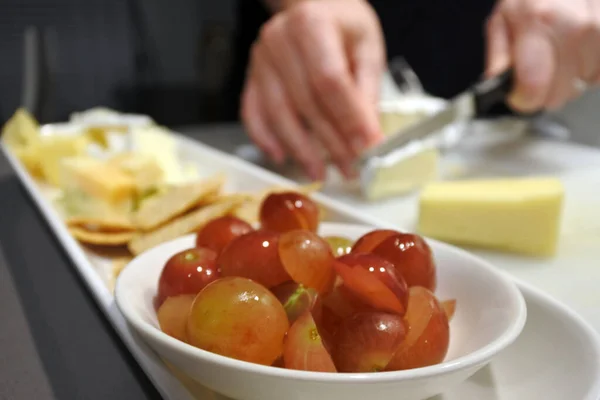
{"x": 497, "y": 382}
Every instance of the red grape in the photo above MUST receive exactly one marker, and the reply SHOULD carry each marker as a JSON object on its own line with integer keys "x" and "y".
{"x": 428, "y": 336}
{"x": 449, "y": 307}
{"x": 366, "y": 342}
{"x": 384, "y": 271}
{"x": 287, "y": 211}
{"x": 307, "y": 259}
{"x": 367, "y": 242}
{"x": 296, "y": 299}
{"x": 303, "y": 348}
{"x": 238, "y": 318}
{"x": 339, "y": 304}
{"x": 187, "y": 272}
{"x": 220, "y": 231}
{"x": 370, "y": 288}
{"x": 254, "y": 256}
{"x": 339, "y": 245}
{"x": 412, "y": 257}
{"x": 173, "y": 315}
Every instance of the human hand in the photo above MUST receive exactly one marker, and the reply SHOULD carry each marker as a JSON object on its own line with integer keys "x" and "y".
{"x": 314, "y": 74}
{"x": 553, "y": 46}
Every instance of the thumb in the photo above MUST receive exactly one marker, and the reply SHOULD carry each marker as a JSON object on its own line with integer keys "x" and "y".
{"x": 499, "y": 57}
{"x": 368, "y": 61}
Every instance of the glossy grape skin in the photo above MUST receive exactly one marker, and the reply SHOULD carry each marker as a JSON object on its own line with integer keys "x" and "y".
{"x": 297, "y": 299}
{"x": 173, "y": 315}
{"x": 220, "y": 231}
{"x": 340, "y": 245}
{"x": 384, "y": 272}
{"x": 187, "y": 272}
{"x": 238, "y": 318}
{"x": 255, "y": 256}
{"x": 287, "y": 211}
{"x": 308, "y": 260}
{"x": 412, "y": 257}
{"x": 304, "y": 349}
{"x": 370, "y": 288}
{"x": 366, "y": 342}
{"x": 428, "y": 335}
{"x": 367, "y": 242}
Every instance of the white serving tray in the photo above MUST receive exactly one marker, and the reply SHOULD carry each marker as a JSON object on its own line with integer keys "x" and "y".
{"x": 556, "y": 358}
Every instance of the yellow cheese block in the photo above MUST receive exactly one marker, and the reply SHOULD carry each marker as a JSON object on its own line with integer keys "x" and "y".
{"x": 514, "y": 215}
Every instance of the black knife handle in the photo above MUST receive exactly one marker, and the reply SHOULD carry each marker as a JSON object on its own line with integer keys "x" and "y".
{"x": 492, "y": 91}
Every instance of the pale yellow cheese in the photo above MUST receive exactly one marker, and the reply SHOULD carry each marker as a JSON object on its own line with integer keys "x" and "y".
{"x": 97, "y": 180}
{"x": 51, "y": 150}
{"x": 513, "y": 215}
{"x": 403, "y": 175}
{"x": 392, "y": 122}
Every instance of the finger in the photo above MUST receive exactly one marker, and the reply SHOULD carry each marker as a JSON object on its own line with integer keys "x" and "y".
{"x": 254, "y": 119}
{"x": 569, "y": 29}
{"x": 287, "y": 62}
{"x": 593, "y": 45}
{"x": 589, "y": 54}
{"x": 284, "y": 121}
{"x": 325, "y": 59}
{"x": 368, "y": 63}
{"x": 563, "y": 86}
{"x": 498, "y": 45}
{"x": 535, "y": 59}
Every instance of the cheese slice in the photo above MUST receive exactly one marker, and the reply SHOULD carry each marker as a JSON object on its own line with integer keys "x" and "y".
{"x": 514, "y": 215}
{"x": 97, "y": 180}
{"x": 397, "y": 177}
{"x": 51, "y": 150}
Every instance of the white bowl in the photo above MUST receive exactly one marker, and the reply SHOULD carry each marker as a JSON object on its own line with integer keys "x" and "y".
{"x": 490, "y": 315}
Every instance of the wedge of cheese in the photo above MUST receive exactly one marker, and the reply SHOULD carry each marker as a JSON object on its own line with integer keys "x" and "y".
{"x": 51, "y": 150}
{"x": 398, "y": 177}
{"x": 513, "y": 215}
{"x": 94, "y": 181}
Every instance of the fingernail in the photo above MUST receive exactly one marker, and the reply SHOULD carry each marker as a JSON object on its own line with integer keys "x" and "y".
{"x": 358, "y": 144}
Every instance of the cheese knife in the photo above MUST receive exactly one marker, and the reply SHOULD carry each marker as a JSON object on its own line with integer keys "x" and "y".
{"x": 471, "y": 104}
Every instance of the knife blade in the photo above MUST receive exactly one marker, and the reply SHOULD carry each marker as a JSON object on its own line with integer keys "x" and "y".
{"x": 468, "y": 105}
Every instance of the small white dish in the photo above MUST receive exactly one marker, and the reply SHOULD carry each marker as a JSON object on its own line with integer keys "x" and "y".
{"x": 490, "y": 315}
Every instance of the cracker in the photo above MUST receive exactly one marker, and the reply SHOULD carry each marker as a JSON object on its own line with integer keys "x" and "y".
{"x": 175, "y": 202}
{"x": 100, "y": 238}
{"x": 225, "y": 197}
{"x": 114, "y": 223}
{"x": 181, "y": 226}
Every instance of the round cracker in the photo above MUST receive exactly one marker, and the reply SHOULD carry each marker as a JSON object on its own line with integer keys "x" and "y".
{"x": 101, "y": 238}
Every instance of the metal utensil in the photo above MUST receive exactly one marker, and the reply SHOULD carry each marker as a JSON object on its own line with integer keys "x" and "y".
{"x": 466, "y": 106}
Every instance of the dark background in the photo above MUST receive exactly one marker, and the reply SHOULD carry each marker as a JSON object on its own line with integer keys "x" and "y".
{"x": 134, "y": 55}
{"x": 183, "y": 61}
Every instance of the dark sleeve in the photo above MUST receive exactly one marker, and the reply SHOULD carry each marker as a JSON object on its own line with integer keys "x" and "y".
{"x": 251, "y": 15}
